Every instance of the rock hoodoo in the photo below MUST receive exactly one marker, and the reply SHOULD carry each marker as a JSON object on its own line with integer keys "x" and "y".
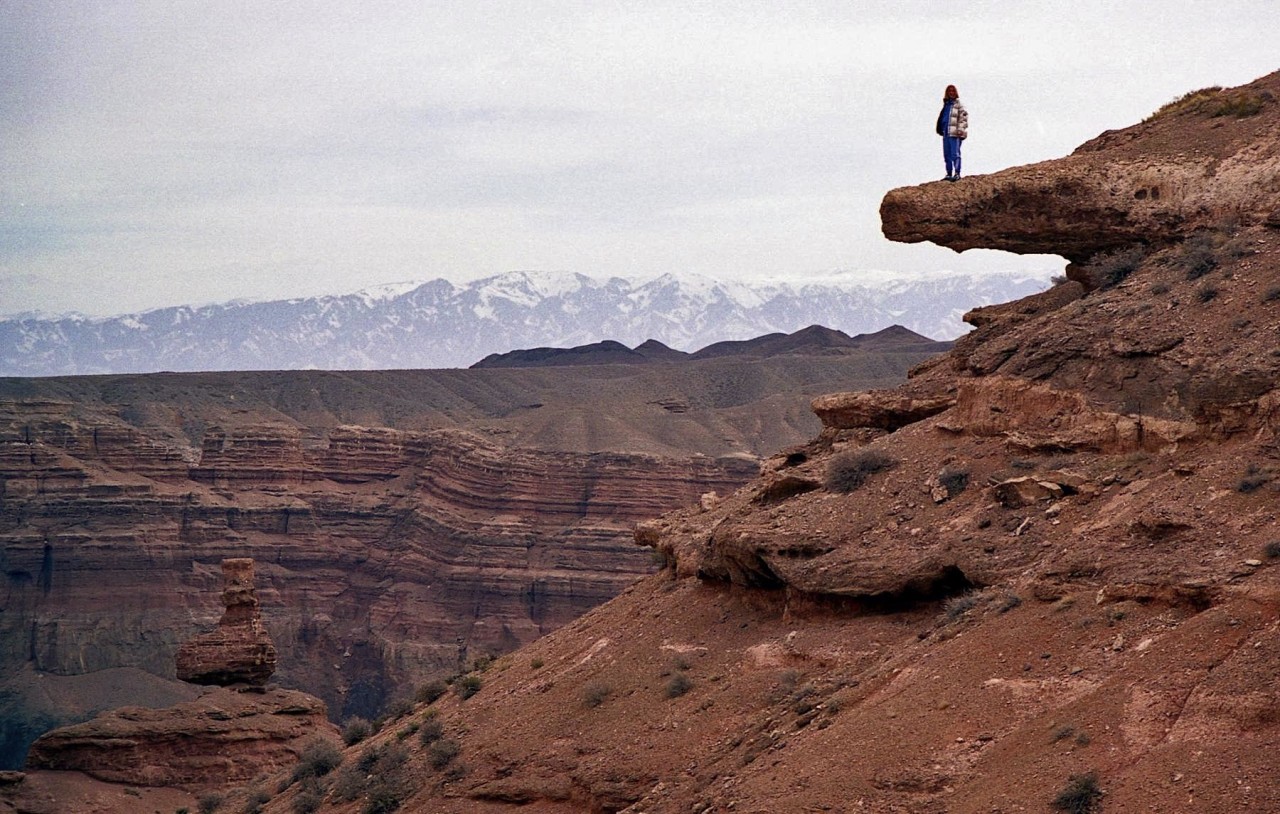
{"x": 240, "y": 651}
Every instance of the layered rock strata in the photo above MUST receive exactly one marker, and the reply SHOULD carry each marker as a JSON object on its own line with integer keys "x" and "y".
{"x": 384, "y": 557}
{"x": 222, "y": 739}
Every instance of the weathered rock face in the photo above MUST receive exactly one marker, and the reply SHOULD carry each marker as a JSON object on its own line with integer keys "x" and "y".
{"x": 384, "y": 557}
{"x": 1067, "y": 578}
{"x": 1149, "y": 184}
{"x": 222, "y": 739}
{"x": 240, "y": 651}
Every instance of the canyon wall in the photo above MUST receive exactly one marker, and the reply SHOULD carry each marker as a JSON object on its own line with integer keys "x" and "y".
{"x": 385, "y": 557}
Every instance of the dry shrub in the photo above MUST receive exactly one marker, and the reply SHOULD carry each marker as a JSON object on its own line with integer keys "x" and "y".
{"x": 596, "y": 693}
{"x": 1239, "y": 104}
{"x": 1080, "y": 795}
{"x": 678, "y": 685}
{"x": 1111, "y": 268}
{"x": 1191, "y": 100}
{"x": 849, "y": 470}
{"x": 1197, "y": 256}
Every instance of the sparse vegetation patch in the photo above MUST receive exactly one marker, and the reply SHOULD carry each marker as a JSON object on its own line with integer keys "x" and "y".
{"x": 849, "y": 470}
{"x": 596, "y": 693}
{"x": 1080, "y": 795}
{"x": 1197, "y": 256}
{"x": 1191, "y": 100}
{"x": 678, "y": 685}
{"x": 467, "y": 686}
{"x": 442, "y": 753}
{"x": 1239, "y": 104}
{"x": 1112, "y": 268}
{"x": 1254, "y": 478}
{"x": 317, "y": 759}
{"x": 431, "y": 691}
{"x": 355, "y": 730}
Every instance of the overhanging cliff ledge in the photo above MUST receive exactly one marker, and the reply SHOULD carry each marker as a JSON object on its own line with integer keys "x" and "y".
{"x": 1210, "y": 158}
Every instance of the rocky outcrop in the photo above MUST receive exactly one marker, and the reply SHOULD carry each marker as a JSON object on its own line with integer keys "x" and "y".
{"x": 1149, "y": 184}
{"x": 240, "y": 651}
{"x": 877, "y": 409}
{"x": 222, "y": 739}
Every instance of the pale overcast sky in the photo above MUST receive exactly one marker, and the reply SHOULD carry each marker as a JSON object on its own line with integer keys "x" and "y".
{"x": 156, "y": 152}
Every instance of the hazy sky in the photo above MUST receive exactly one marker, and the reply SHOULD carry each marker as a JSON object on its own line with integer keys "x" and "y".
{"x": 155, "y": 152}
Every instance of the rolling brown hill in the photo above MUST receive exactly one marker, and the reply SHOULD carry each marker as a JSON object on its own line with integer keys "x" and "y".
{"x": 1041, "y": 576}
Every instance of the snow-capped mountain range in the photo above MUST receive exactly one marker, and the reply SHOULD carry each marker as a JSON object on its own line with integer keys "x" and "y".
{"x": 439, "y": 324}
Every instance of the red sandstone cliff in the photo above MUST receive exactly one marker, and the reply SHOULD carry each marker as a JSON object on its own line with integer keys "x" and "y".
{"x": 1040, "y": 576}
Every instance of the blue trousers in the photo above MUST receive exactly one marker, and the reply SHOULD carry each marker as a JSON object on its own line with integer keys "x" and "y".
{"x": 951, "y": 155}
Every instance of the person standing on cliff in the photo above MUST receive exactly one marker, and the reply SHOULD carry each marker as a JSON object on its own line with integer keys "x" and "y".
{"x": 953, "y": 126}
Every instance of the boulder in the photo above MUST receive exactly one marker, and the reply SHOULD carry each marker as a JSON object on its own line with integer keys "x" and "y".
{"x": 877, "y": 409}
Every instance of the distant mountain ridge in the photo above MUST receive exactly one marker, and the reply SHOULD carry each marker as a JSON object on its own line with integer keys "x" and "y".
{"x": 814, "y": 339}
{"x": 440, "y": 324}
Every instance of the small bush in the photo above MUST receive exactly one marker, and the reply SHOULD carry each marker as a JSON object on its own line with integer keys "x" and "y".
{"x": 430, "y": 731}
{"x": 536, "y": 664}
{"x": 596, "y": 693}
{"x": 804, "y": 699}
{"x": 384, "y": 796}
{"x": 256, "y": 800}
{"x": 1159, "y": 288}
{"x": 1197, "y": 256}
{"x": 1272, "y": 294}
{"x": 431, "y": 691}
{"x": 1187, "y": 101}
{"x": 678, "y": 685}
{"x": 1238, "y": 104}
{"x": 355, "y": 730}
{"x": 209, "y": 803}
{"x": 958, "y": 606}
{"x": 1112, "y": 268}
{"x": 442, "y": 753}
{"x": 1272, "y": 549}
{"x": 317, "y": 759}
{"x": 1253, "y": 479}
{"x": 850, "y": 470}
{"x": 1206, "y": 293}
{"x": 348, "y": 784}
{"x": 308, "y": 801}
{"x": 398, "y": 709}
{"x": 1062, "y": 733}
{"x": 467, "y": 686}
{"x": 1008, "y": 602}
{"x": 1080, "y": 795}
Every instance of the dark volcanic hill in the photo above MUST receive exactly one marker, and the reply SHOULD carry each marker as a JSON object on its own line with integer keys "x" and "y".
{"x": 812, "y": 341}
{"x": 405, "y": 523}
{"x": 1043, "y": 575}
